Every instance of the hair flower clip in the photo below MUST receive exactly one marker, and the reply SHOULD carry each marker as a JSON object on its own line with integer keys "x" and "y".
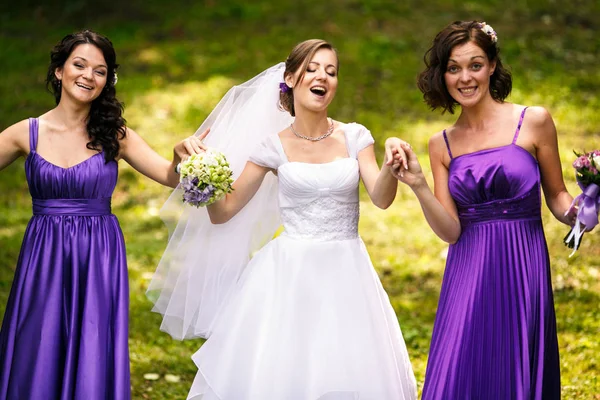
{"x": 284, "y": 87}
{"x": 487, "y": 29}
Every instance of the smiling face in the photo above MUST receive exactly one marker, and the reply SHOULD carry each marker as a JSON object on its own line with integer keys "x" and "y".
{"x": 467, "y": 75}
{"x": 316, "y": 89}
{"x": 83, "y": 75}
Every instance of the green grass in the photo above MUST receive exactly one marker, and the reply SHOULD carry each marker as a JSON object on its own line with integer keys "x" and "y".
{"x": 178, "y": 58}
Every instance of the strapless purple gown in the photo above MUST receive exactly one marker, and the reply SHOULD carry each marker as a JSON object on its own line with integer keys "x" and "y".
{"x": 64, "y": 333}
{"x": 494, "y": 335}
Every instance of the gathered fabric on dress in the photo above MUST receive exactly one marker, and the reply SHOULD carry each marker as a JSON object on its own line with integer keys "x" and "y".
{"x": 65, "y": 329}
{"x": 309, "y": 318}
{"x": 494, "y": 335}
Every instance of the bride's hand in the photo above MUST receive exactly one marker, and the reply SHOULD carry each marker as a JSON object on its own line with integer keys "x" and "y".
{"x": 191, "y": 145}
{"x": 394, "y": 153}
{"x": 411, "y": 176}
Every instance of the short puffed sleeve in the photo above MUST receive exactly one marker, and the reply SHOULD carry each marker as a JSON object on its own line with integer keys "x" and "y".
{"x": 267, "y": 154}
{"x": 359, "y": 137}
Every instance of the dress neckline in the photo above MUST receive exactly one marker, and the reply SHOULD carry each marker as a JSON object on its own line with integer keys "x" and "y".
{"x": 65, "y": 168}
{"x": 33, "y": 142}
{"x": 323, "y": 163}
{"x": 342, "y": 126}
{"x": 497, "y": 148}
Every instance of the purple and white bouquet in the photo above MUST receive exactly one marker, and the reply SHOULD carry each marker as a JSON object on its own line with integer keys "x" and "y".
{"x": 205, "y": 178}
{"x": 587, "y": 204}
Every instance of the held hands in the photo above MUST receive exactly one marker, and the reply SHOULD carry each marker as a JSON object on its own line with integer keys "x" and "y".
{"x": 403, "y": 162}
{"x": 190, "y": 145}
{"x": 395, "y": 156}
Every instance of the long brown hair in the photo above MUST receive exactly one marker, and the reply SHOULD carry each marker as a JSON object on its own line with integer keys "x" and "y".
{"x": 105, "y": 124}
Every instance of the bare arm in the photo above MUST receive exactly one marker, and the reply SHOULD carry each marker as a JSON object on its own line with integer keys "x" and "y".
{"x": 244, "y": 188}
{"x": 380, "y": 184}
{"x": 145, "y": 160}
{"x": 439, "y": 209}
{"x": 557, "y": 197}
{"x": 14, "y": 142}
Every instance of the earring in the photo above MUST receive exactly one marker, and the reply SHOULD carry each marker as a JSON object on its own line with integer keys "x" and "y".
{"x": 59, "y": 83}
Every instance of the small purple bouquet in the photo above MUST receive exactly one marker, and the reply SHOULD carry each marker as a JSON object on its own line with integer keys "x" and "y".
{"x": 587, "y": 203}
{"x": 205, "y": 178}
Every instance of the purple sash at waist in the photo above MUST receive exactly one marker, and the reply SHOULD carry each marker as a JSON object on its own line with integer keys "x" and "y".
{"x": 79, "y": 207}
{"x": 526, "y": 207}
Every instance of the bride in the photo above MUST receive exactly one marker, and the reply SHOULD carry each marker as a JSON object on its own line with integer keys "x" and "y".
{"x": 304, "y": 317}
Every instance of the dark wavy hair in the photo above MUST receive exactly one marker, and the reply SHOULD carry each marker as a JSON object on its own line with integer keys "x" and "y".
{"x": 105, "y": 124}
{"x": 300, "y": 58}
{"x": 431, "y": 81}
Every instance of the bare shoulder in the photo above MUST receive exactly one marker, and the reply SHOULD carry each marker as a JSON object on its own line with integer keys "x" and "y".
{"x": 540, "y": 125}
{"x": 538, "y": 117}
{"x": 285, "y": 133}
{"x": 128, "y": 141}
{"x": 437, "y": 143}
{"x": 20, "y": 128}
{"x": 352, "y": 128}
{"x": 18, "y": 134}
{"x": 130, "y": 136}
{"x": 129, "y": 132}
{"x": 438, "y": 150}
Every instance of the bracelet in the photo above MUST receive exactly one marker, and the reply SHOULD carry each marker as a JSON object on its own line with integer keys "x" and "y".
{"x": 178, "y": 169}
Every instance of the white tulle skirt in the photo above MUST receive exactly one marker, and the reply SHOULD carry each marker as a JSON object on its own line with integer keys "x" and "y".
{"x": 309, "y": 320}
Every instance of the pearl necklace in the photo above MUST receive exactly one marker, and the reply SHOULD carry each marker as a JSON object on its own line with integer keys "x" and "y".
{"x": 314, "y": 139}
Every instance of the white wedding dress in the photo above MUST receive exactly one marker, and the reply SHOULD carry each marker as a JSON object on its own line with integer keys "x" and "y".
{"x": 308, "y": 318}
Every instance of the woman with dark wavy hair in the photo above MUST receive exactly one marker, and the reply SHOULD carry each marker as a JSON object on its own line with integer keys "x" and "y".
{"x": 64, "y": 334}
{"x": 494, "y": 335}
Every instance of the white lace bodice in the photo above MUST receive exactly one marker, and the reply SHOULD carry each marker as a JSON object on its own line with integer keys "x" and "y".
{"x": 318, "y": 201}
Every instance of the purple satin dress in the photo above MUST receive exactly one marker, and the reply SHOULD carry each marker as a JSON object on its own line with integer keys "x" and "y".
{"x": 494, "y": 335}
{"x": 64, "y": 333}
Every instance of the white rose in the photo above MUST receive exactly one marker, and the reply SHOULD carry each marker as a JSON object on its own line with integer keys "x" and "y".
{"x": 596, "y": 160}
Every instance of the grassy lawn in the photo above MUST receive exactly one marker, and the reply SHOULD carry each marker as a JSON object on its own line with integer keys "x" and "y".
{"x": 179, "y": 57}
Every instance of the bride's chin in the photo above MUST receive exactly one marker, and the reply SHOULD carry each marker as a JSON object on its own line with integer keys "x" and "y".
{"x": 319, "y": 108}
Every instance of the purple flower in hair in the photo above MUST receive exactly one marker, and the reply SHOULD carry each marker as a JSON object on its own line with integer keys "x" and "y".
{"x": 284, "y": 87}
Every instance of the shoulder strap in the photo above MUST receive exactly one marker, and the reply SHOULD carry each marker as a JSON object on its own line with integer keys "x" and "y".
{"x": 33, "y": 134}
{"x": 519, "y": 126}
{"x": 447, "y": 144}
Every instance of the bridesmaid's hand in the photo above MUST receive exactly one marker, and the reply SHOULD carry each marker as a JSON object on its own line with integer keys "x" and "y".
{"x": 571, "y": 218}
{"x": 571, "y": 215}
{"x": 394, "y": 153}
{"x": 413, "y": 175}
{"x": 190, "y": 145}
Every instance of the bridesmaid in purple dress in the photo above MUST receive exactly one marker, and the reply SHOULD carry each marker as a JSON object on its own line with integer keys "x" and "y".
{"x": 64, "y": 333}
{"x": 494, "y": 335}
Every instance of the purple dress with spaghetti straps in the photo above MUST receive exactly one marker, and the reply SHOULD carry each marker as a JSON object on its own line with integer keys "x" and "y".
{"x": 494, "y": 335}
{"x": 64, "y": 333}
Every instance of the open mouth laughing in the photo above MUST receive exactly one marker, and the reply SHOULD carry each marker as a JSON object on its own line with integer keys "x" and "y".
{"x": 85, "y": 87}
{"x": 319, "y": 90}
{"x": 467, "y": 91}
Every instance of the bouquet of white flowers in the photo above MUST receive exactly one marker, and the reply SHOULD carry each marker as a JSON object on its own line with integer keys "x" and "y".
{"x": 205, "y": 178}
